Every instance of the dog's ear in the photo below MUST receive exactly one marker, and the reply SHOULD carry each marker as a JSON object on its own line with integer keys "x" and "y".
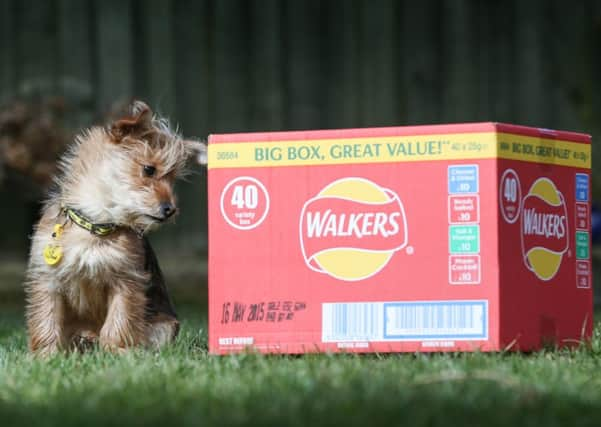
{"x": 197, "y": 150}
{"x": 138, "y": 121}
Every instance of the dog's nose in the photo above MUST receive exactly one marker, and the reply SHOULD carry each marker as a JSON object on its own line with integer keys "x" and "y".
{"x": 167, "y": 209}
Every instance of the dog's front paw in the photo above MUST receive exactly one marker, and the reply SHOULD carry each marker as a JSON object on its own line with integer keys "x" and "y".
{"x": 46, "y": 351}
{"x": 119, "y": 341}
{"x": 112, "y": 345}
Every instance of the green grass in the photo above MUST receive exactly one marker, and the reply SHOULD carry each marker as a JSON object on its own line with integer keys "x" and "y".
{"x": 183, "y": 385}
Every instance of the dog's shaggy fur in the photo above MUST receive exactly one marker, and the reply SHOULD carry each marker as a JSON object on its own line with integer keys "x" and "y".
{"x": 107, "y": 289}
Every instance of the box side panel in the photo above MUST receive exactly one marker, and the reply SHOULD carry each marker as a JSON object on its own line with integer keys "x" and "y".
{"x": 369, "y": 257}
{"x": 545, "y": 272}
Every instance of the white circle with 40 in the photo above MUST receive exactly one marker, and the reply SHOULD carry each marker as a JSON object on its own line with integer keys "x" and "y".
{"x": 244, "y": 203}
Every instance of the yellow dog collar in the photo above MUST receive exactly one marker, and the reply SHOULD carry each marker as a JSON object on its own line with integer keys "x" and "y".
{"x": 98, "y": 229}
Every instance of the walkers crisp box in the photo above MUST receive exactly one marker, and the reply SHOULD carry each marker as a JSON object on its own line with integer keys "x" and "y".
{"x": 428, "y": 238}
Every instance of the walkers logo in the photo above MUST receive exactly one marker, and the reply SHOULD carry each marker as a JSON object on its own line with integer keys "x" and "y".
{"x": 544, "y": 227}
{"x": 352, "y": 228}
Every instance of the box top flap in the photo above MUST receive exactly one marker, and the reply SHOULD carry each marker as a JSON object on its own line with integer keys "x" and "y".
{"x": 401, "y": 131}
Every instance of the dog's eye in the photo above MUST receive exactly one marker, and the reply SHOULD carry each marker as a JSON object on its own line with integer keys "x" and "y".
{"x": 149, "y": 170}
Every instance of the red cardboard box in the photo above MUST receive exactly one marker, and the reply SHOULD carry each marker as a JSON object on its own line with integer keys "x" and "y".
{"x": 427, "y": 238}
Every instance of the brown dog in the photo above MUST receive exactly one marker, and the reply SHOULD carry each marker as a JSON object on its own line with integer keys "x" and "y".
{"x": 92, "y": 274}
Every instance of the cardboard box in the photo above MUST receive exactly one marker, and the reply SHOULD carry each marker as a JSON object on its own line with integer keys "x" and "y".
{"x": 428, "y": 238}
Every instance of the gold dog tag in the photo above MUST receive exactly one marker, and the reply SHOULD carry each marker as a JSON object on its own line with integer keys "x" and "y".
{"x": 52, "y": 254}
{"x": 58, "y": 230}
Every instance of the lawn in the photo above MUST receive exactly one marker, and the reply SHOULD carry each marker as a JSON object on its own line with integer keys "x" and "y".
{"x": 183, "y": 385}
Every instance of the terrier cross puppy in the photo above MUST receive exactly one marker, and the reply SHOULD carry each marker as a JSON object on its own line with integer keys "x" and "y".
{"x": 92, "y": 274}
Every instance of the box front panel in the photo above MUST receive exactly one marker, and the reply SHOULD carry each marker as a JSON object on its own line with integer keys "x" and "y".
{"x": 382, "y": 256}
{"x": 546, "y": 272}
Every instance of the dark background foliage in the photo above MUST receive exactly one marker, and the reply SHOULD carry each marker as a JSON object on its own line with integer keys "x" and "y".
{"x": 234, "y": 65}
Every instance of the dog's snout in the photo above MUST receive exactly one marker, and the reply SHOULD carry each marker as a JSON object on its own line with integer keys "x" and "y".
{"x": 167, "y": 209}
